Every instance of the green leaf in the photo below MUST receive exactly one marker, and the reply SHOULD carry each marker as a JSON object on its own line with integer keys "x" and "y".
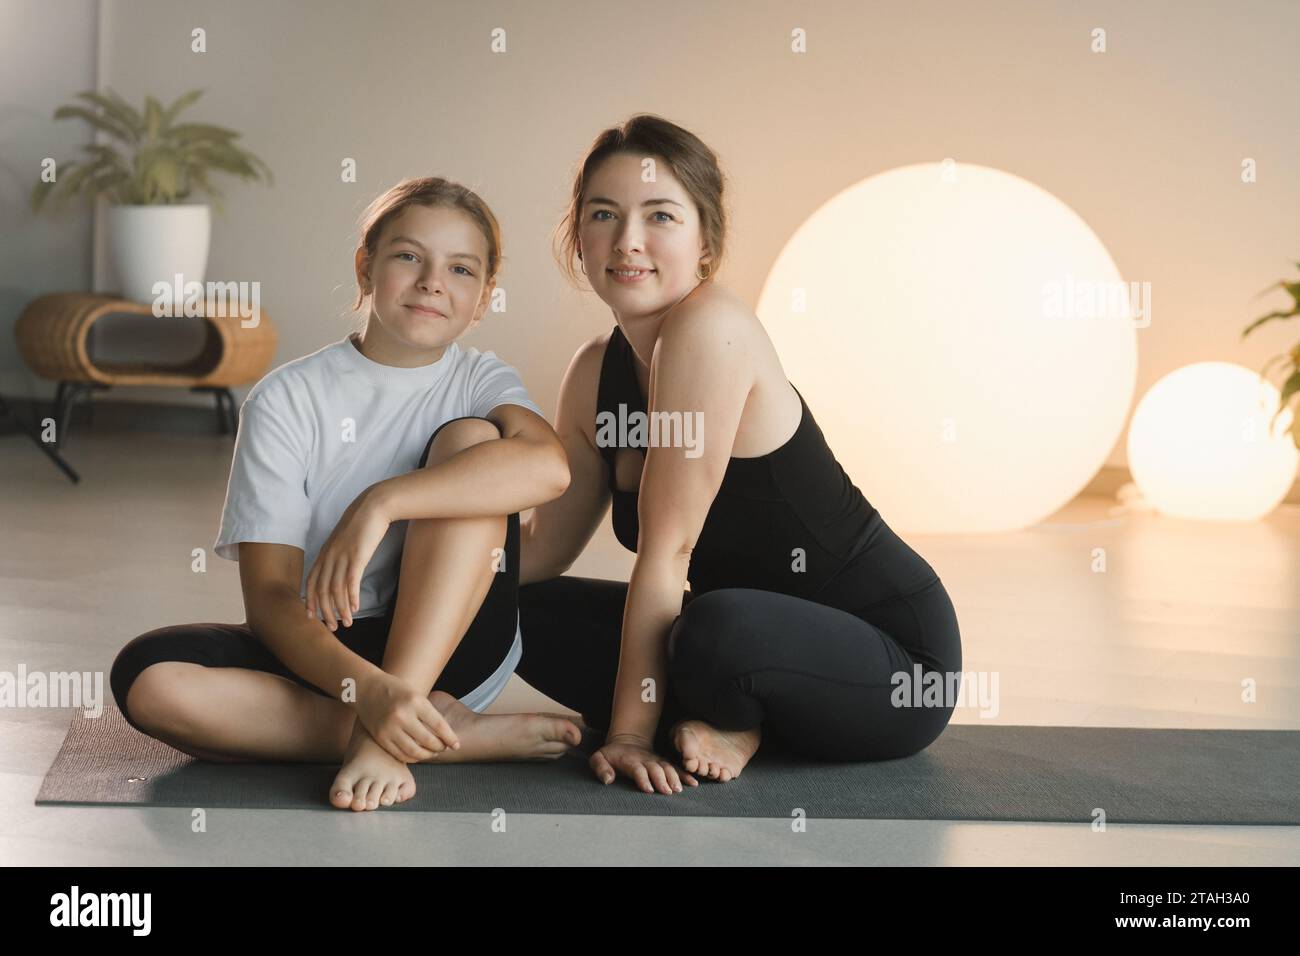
{"x": 200, "y": 179}
{"x": 152, "y": 118}
{"x": 105, "y": 154}
{"x": 1266, "y": 318}
{"x": 108, "y": 184}
{"x": 198, "y": 132}
{"x": 94, "y": 119}
{"x": 118, "y": 111}
{"x": 182, "y": 101}
{"x": 1291, "y": 386}
{"x": 163, "y": 172}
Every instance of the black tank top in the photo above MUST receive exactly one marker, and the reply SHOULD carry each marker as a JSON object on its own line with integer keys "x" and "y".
{"x": 789, "y": 521}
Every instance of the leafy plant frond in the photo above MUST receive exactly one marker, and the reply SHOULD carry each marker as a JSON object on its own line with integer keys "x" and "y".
{"x": 154, "y": 160}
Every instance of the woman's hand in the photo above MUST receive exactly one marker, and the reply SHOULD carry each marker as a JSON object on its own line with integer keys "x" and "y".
{"x": 635, "y": 759}
{"x": 401, "y": 719}
{"x": 334, "y": 583}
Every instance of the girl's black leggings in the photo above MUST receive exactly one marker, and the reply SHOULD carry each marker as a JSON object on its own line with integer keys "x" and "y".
{"x": 818, "y": 680}
{"x": 480, "y": 652}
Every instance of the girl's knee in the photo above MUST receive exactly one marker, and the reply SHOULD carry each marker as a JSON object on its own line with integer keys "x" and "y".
{"x": 455, "y": 436}
{"x": 154, "y": 698}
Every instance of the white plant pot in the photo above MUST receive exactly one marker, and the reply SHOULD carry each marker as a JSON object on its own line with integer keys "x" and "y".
{"x": 148, "y": 244}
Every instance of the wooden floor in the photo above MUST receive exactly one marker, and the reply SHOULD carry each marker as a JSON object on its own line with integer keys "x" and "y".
{"x": 1183, "y": 613}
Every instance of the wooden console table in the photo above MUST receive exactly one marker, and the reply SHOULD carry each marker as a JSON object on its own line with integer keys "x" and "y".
{"x": 52, "y": 335}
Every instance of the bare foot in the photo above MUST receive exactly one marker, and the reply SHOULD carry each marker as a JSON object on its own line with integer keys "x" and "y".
{"x": 503, "y": 736}
{"x": 713, "y": 753}
{"x": 370, "y": 776}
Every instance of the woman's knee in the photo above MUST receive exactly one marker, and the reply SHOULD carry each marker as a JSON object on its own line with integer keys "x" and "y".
{"x": 708, "y": 633}
{"x": 452, "y": 437}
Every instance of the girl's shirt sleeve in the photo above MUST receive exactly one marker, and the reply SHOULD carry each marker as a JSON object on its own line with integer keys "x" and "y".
{"x": 266, "y": 498}
{"x": 496, "y": 383}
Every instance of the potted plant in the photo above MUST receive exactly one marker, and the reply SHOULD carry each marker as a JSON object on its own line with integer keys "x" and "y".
{"x": 153, "y": 232}
{"x": 1291, "y": 385}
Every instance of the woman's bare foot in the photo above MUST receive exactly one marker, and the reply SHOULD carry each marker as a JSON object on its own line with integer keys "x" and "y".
{"x": 713, "y": 753}
{"x": 503, "y": 736}
{"x": 370, "y": 776}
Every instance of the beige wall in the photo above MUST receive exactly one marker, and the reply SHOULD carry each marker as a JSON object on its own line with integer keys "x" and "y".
{"x": 1144, "y": 142}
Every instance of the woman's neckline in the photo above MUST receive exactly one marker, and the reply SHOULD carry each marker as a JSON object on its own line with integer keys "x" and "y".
{"x": 643, "y": 406}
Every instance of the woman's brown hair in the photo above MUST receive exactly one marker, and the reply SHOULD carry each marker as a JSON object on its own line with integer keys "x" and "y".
{"x": 692, "y": 162}
{"x": 428, "y": 191}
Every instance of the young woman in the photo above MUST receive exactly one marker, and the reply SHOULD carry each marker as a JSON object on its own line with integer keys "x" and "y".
{"x": 803, "y": 604}
{"x": 392, "y": 453}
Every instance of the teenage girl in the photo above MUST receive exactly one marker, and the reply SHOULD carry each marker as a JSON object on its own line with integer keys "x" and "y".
{"x": 803, "y": 604}
{"x": 391, "y": 453}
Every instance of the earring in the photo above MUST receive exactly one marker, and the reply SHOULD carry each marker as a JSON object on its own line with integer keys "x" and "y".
{"x": 706, "y": 274}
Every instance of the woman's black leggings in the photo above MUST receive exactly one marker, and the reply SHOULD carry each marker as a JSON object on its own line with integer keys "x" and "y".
{"x": 819, "y": 680}
{"x": 480, "y": 652}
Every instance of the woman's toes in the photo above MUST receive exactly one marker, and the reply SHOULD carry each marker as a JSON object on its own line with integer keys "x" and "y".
{"x": 405, "y": 791}
{"x": 389, "y": 795}
{"x": 726, "y": 774}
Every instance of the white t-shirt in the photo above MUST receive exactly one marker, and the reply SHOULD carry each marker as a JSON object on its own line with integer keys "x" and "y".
{"x": 316, "y": 432}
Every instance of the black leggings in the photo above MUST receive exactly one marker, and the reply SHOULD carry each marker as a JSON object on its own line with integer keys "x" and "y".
{"x": 480, "y": 652}
{"x": 816, "y": 678}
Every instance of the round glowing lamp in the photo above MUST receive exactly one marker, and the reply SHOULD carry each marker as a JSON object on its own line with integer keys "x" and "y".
{"x": 963, "y": 339}
{"x": 1201, "y": 444}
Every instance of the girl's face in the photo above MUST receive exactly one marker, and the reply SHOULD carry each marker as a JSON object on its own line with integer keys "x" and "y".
{"x": 650, "y": 228}
{"x": 426, "y": 278}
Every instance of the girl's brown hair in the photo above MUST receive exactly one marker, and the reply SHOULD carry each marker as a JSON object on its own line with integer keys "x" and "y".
{"x": 428, "y": 191}
{"x": 693, "y": 163}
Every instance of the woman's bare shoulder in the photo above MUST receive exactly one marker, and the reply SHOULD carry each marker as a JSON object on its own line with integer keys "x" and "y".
{"x": 714, "y": 312}
{"x": 577, "y": 404}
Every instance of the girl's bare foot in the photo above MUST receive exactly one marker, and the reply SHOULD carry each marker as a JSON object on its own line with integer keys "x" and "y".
{"x": 370, "y": 776}
{"x": 713, "y": 753}
{"x": 503, "y": 736}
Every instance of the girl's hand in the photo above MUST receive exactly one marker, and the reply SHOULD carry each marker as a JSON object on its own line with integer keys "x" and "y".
{"x": 401, "y": 719}
{"x": 635, "y": 759}
{"x": 334, "y": 583}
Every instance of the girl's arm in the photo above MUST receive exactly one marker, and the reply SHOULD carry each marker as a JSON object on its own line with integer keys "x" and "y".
{"x": 556, "y": 532}
{"x": 271, "y": 576}
{"x": 701, "y": 364}
{"x": 524, "y": 468}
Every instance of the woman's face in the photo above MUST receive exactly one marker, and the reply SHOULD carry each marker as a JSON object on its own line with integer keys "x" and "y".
{"x": 650, "y": 228}
{"x": 427, "y": 283}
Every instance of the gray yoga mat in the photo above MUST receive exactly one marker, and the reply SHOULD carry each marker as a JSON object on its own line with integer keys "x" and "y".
{"x": 972, "y": 772}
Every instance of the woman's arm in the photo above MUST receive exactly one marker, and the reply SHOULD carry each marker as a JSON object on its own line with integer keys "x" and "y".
{"x": 525, "y": 467}
{"x": 701, "y": 364}
{"x": 556, "y": 532}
